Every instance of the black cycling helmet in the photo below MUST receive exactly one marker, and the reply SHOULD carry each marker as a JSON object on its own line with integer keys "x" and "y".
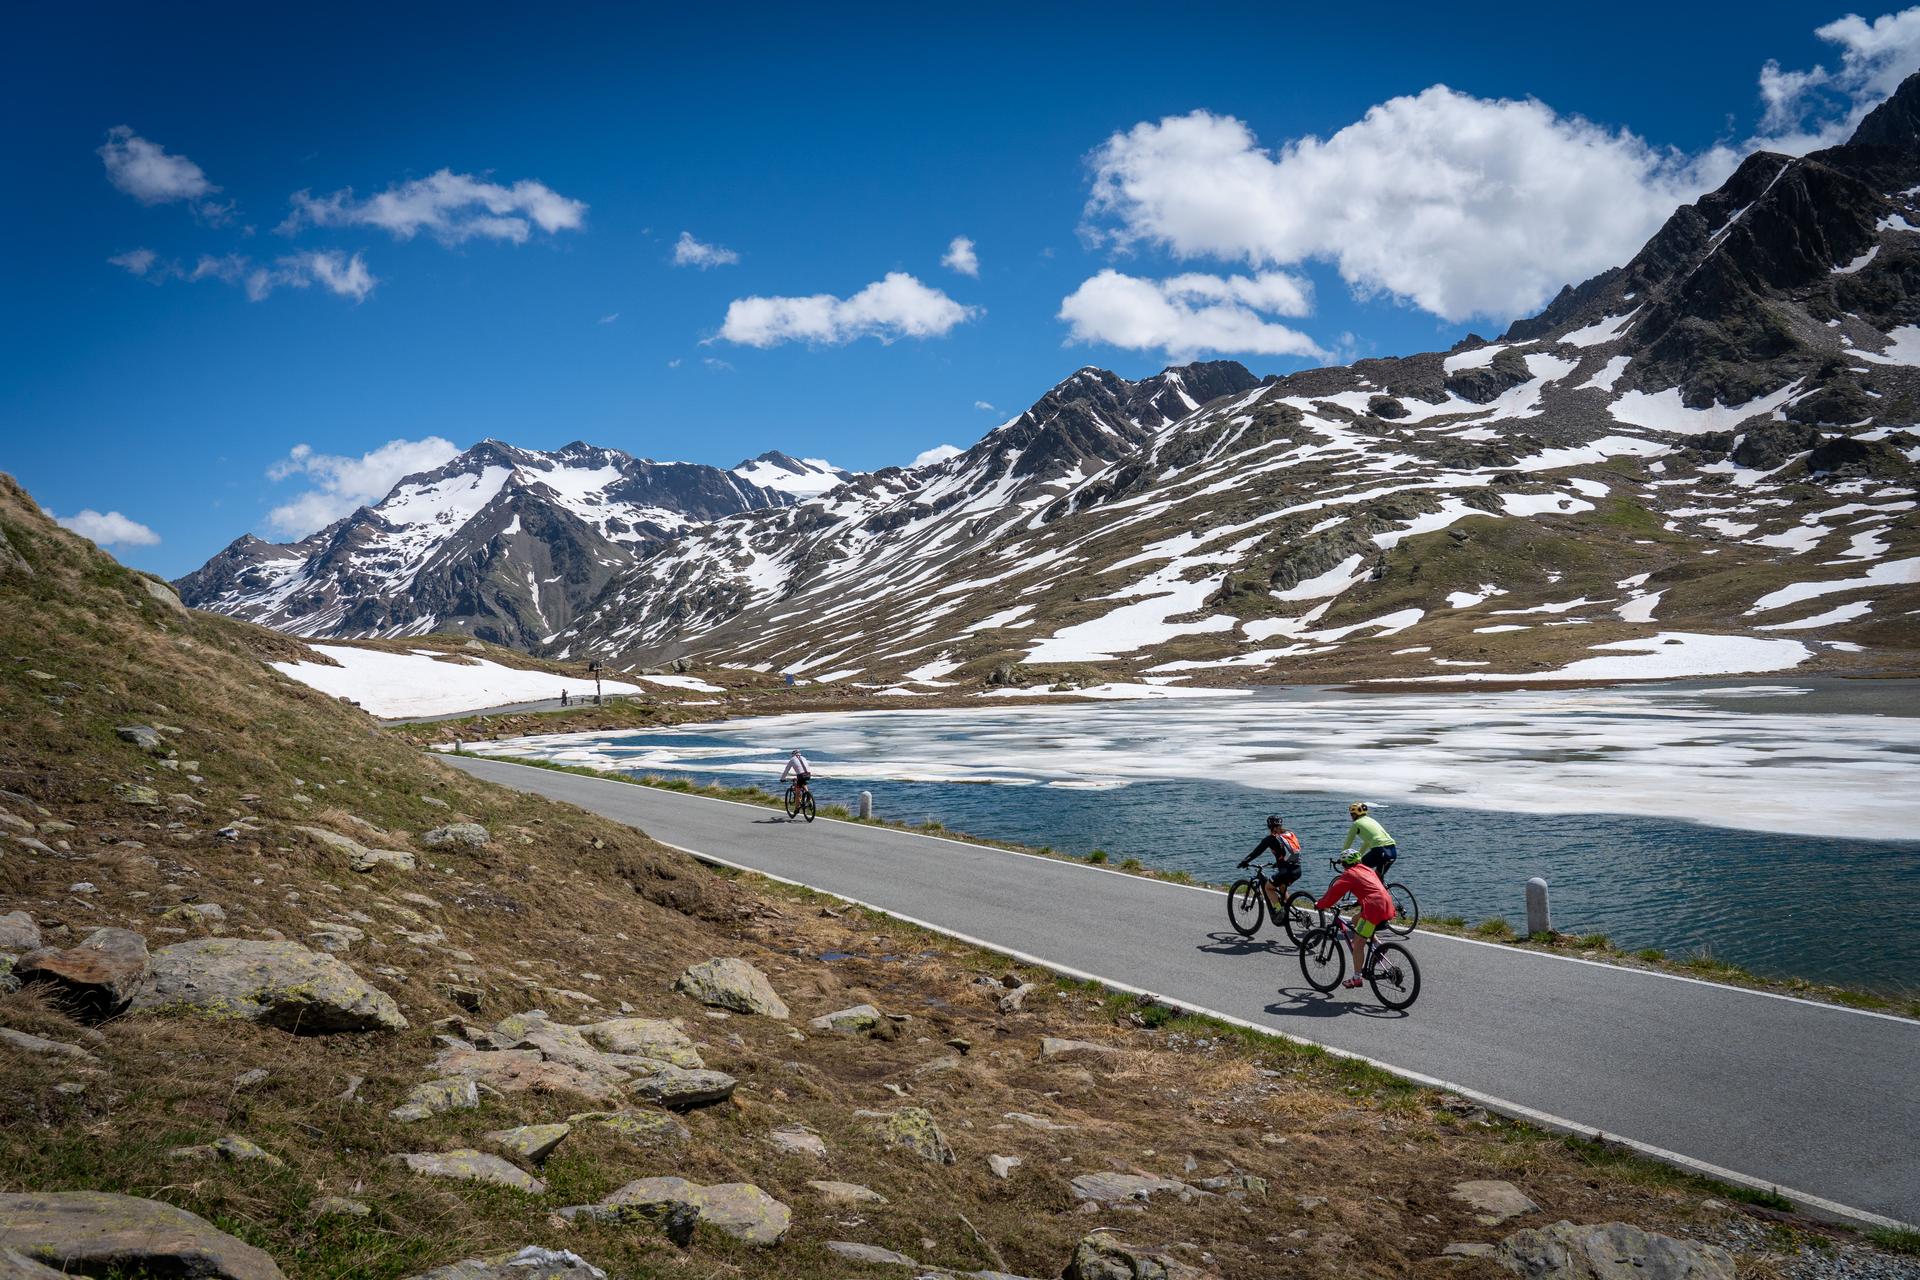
{"x": 1275, "y": 820}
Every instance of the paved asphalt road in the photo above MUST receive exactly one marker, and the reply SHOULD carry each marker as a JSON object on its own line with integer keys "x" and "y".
{"x": 507, "y": 709}
{"x": 1820, "y": 1101}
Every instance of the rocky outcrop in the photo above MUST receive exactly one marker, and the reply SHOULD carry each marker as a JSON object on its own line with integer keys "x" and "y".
{"x": 737, "y": 1209}
{"x": 84, "y": 1231}
{"x": 1609, "y": 1251}
{"x": 94, "y": 980}
{"x": 281, "y": 984}
{"x": 732, "y": 984}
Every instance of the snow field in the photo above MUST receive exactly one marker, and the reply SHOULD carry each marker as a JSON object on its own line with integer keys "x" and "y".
{"x": 390, "y": 685}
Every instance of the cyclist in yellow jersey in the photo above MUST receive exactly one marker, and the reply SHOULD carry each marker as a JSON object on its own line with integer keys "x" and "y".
{"x": 1377, "y": 849}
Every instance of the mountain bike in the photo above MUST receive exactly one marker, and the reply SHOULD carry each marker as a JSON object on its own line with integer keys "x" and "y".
{"x": 1247, "y": 903}
{"x": 1406, "y": 907}
{"x": 800, "y": 801}
{"x": 1387, "y": 966}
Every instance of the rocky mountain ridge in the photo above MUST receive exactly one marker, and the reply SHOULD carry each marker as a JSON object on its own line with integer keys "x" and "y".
{"x": 503, "y": 543}
{"x": 1653, "y": 476}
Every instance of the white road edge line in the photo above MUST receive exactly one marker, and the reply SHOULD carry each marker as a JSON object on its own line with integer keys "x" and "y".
{"x": 1201, "y": 888}
{"x": 1818, "y": 1206}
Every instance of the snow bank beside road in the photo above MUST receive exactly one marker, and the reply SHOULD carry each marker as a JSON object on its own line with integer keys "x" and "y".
{"x": 390, "y": 685}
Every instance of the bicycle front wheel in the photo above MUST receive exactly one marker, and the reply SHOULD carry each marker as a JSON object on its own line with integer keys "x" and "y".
{"x": 1323, "y": 959}
{"x": 1246, "y": 907}
{"x": 806, "y": 805}
{"x": 1395, "y": 977}
{"x": 1406, "y": 909}
{"x": 1300, "y": 918}
{"x": 793, "y": 801}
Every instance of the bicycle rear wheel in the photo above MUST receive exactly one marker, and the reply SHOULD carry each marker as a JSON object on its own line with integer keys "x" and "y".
{"x": 1299, "y": 918}
{"x": 1394, "y": 976}
{"x": 806, "y": 804}
{"x": 1246, "y": 907}
{"x": 1323, "y": 959}
{"x": 793, "y": 801}
{"x": 1406, "y": 909}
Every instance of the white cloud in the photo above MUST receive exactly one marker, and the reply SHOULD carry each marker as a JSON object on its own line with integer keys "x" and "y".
{"x": 1465, "y": 206}
{"x": 719, "y": 366}
{"x": 135, "y": 261}
{"x": 688, "y": 252}
{"x": 109, "y": 529}
{"x": 961, "y": 257}
{"x": 984, "y": 406}
{"x": 452, "y": 207}
{"x": 610, "y": 317}
{"x": 939, "y": 453}
{"x": 343, "y": 483}
{"x": 146, "y": 172}
{"x": 1189, "y": 314}
{"x": 897, "y": 307}
{"x": 1817, "y": 108}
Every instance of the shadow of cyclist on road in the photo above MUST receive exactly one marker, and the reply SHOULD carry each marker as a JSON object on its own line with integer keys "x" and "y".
{"x": 1305, "y": 1002}
{"x": 1232, "y": 944}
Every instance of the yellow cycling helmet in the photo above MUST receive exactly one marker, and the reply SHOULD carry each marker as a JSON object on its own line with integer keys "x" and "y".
{"x": 1358, "y": 808}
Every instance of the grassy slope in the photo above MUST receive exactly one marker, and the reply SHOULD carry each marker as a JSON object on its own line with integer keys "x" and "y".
{"x": 563, "y": 906}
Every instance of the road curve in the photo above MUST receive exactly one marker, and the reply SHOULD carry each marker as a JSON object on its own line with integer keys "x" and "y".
{"x": 1819, "y": 1101}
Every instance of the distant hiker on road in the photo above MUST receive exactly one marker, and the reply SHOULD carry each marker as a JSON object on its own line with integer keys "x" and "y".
{"x": 563, "y": 697}
{"x": 1377, "y": 849}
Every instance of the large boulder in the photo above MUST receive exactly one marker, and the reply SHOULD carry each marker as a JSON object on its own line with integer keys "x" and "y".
{"x": 1118, "y": 1188}
{"x": 15, "y": 1265}
{"x": 530, "y": 1263}
{"x": 1609, "y": 1251}
{"x": 645, "y": 1038}
{"x": 909, "y": 1129}
{"x": 456, "y": 835}
{"x": 94, "y": 980}
{"x": 738, "y": 1209}
{"x": 282, "y": 984}
{"x": 732, "y": 984}
{"x": 1102, "y": 1256}
{"x": 83, "y": 1231}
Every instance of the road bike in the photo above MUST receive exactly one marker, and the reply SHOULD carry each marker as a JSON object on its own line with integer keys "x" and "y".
{"x": 800, "y": 801}
{"x": 1387, "y": 966}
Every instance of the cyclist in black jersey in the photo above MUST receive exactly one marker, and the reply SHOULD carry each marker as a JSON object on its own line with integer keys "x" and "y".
{"x": 1285, "y": 848}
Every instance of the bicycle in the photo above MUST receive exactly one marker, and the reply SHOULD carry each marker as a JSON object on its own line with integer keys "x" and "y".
{"x": 1406, "y": 907}
{"x": 1387, "y": 966}
{"x": 800, "y": 801}
{"x": 1248, "y": 904}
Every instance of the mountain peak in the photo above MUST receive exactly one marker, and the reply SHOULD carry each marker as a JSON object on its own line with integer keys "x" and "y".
{"x": 1895, "y": 122}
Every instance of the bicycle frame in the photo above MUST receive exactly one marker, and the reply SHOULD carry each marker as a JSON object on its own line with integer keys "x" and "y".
{"x": 1346, "y": 931}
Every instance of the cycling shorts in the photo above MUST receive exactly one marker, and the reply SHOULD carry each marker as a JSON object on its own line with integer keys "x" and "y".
{"x": 1380, "y": 857}
{"x": 1363, "y": 926}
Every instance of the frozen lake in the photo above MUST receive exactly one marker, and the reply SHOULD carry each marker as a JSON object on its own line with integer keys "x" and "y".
{"x": 1743, "y": 819}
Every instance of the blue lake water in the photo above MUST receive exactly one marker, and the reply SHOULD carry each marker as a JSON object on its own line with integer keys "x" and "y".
{"x": 1771, "y": 894}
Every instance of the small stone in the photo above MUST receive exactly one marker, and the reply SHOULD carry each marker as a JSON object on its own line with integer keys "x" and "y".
{"x": 861, "y": 1019}
{"x": 846, "y": 1193}
{"x": 471, "y": 1166}
{"x": 456, "y": 835}
{"x": 144, "y": 736}
{"x": 1102, "y": 1256}
{"x": 454, "y": 1093}
{"x": 798, "y": 1140}
{"x": 34, "y": 1044}
{"x": 910, "y": 1129}
{"x": 871, "y": 1255}
{"x": 1118, "y": 1188}
{"x": 1468, "y": 1250}
{"x": 530, "y": 1142}
{"x": 678, "y": 1089}
{"x": 248, "y": 1079}
{"x": 18, "y": 932}
{"x": 529, "y": 1263}
{"x": 731, "y": 983}
{"x": 467, "y": 997}
{"x": 1002, "y": 1166}
{"x": 1055, "y": 1049}
{"x": 1493, "y": 1201}
{"x": 339, "y": 1207}
{"x": 647, "y": 1127}
{"x": 737, "y": 1209}
{"x": 1015, "y": 1001}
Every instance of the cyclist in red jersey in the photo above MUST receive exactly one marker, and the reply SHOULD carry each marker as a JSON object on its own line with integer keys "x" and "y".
{"x": 1376, "y": 907}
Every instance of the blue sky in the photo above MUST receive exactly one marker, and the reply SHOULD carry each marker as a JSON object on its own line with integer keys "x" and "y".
{"x": 531, "y": 293}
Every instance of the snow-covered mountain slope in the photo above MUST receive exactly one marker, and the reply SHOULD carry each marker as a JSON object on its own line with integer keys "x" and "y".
{"x": 504, "y": 543}
{"x": 1701, "y": 461}
{"x": 795, "y": 477}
